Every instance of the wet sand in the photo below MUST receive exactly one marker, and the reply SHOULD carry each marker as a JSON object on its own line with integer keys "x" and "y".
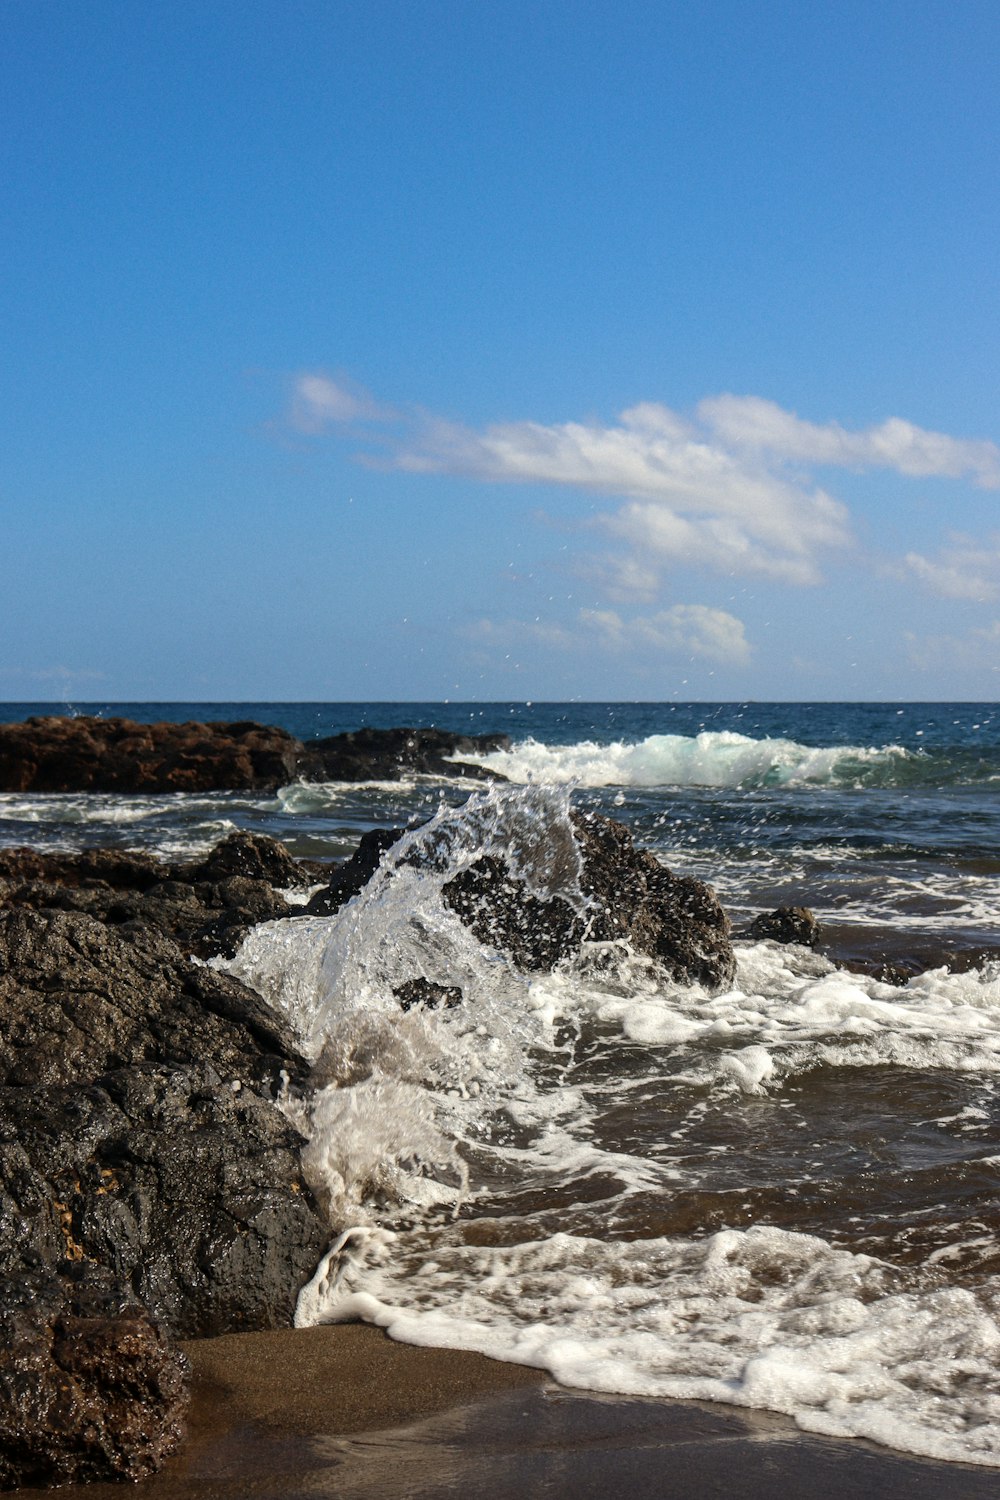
{"x": 345, "y": 1412}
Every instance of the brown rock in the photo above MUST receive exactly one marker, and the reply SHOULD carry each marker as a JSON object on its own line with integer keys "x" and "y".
{"x": 118, "y": 755}
{"x": 86, "y": 754}
{"x": 83, "y": 1398}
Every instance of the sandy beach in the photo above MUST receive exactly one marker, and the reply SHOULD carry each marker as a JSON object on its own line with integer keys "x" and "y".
{"x": 346, "y": 1412}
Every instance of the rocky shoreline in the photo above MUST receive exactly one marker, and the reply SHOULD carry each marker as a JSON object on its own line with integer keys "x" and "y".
{"x": 151, "y": 1185}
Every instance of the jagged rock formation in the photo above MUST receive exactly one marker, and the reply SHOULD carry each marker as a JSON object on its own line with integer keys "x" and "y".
{"x": 632, "y": 899}
{"x": 677, "y": 922}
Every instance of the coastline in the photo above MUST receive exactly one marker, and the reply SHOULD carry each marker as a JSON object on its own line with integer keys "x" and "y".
{"x": 329, "y": 1410}
{"x": 344, "y": 1411}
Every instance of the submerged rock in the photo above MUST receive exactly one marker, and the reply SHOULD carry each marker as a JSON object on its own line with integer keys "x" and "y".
{"x": 83, "y": 1397}
{"x": 786, "y": 924}
{"x": 427, "y": 994}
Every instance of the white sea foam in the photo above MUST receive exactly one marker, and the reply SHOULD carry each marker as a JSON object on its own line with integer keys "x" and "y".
{"x": 417, "y": 1112}
{"x": 715, "y": 758}
{"x": 792, "y": 1011}
{"x": 304, "y": 797}
{"x": 844, "y": 1344}
{"x": 336, "y": 978}
{"x": 172, "y": 824}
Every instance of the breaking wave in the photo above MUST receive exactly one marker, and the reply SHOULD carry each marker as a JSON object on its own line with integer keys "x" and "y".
{"x": 723, "y": 758}
{"x": 514, "y": 1173}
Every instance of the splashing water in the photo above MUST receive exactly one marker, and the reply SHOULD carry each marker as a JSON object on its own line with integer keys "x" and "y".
{"x": 579, "y": 1171}
{"x": 385, "y": 1078}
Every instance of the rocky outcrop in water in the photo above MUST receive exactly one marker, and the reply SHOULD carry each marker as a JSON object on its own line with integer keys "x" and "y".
{"x": 786, "y": 924}
{"x": 84, "y": 754}
{"x": 149, "y": 1185}
{"x": 51, "y": 754}
{"x": 388, "y": 754}
{"x": 352, "y": 875}
{"x": 631, "y": 900}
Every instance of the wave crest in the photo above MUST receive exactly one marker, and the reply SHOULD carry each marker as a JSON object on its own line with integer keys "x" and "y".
{"x": 715, "y": 758}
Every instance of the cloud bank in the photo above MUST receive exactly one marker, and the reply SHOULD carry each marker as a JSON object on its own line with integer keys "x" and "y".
{"x": 684, "y": 630}
{"x": 728, "y": 490}
{"x": 693, "y": 631}
{"x": 964, "y": 569}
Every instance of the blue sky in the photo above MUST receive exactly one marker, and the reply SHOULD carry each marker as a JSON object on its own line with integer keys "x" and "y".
{"x": 536, "y": 350}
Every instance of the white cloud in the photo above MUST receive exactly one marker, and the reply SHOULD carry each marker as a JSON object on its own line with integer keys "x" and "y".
{"x": 728, "y": 491}
{"x": 684, "y": 629}
{"x": 691, "y": 630}
{"x": 688, "y": 500}
{"x": 965, "y": 569}
{"x": 750, "y": 423}
{"x": 716, "y": 542}
{"x": 320, "y": 402}
{"x": 977, "y": 651}
{"x": 622, "y": 578}
{"x": 520, "y": 632}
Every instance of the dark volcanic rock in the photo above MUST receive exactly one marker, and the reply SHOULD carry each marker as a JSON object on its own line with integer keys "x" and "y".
{"x": 251, "y": 856}
{"x": 206, "y": 907}
{"x": 119, "y": 755}
{"x": 787, "y": 924}
{"x": 426, "y": 994}
{"x": 138, "y": 1137}
{"x": 119, "y": 869}
{"x": 181, "y": 1188}
{"x": 142, "y": 1156}
{"x": 354, "y": 874}
{"x": 83, "y": 1398}
{"x": 388, "y": 754}
{"x": 79, "y": 998}
{"x": 676, "y": 921}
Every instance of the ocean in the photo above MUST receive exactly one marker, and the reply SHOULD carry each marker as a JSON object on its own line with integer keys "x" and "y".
{"x": 783, "y": 1196}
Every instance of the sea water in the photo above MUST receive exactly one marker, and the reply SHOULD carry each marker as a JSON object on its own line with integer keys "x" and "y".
{"x": 784, "y": 1195}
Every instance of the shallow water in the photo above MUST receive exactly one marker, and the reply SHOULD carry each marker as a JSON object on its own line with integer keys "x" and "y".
{"x": 783, "y": 1197}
